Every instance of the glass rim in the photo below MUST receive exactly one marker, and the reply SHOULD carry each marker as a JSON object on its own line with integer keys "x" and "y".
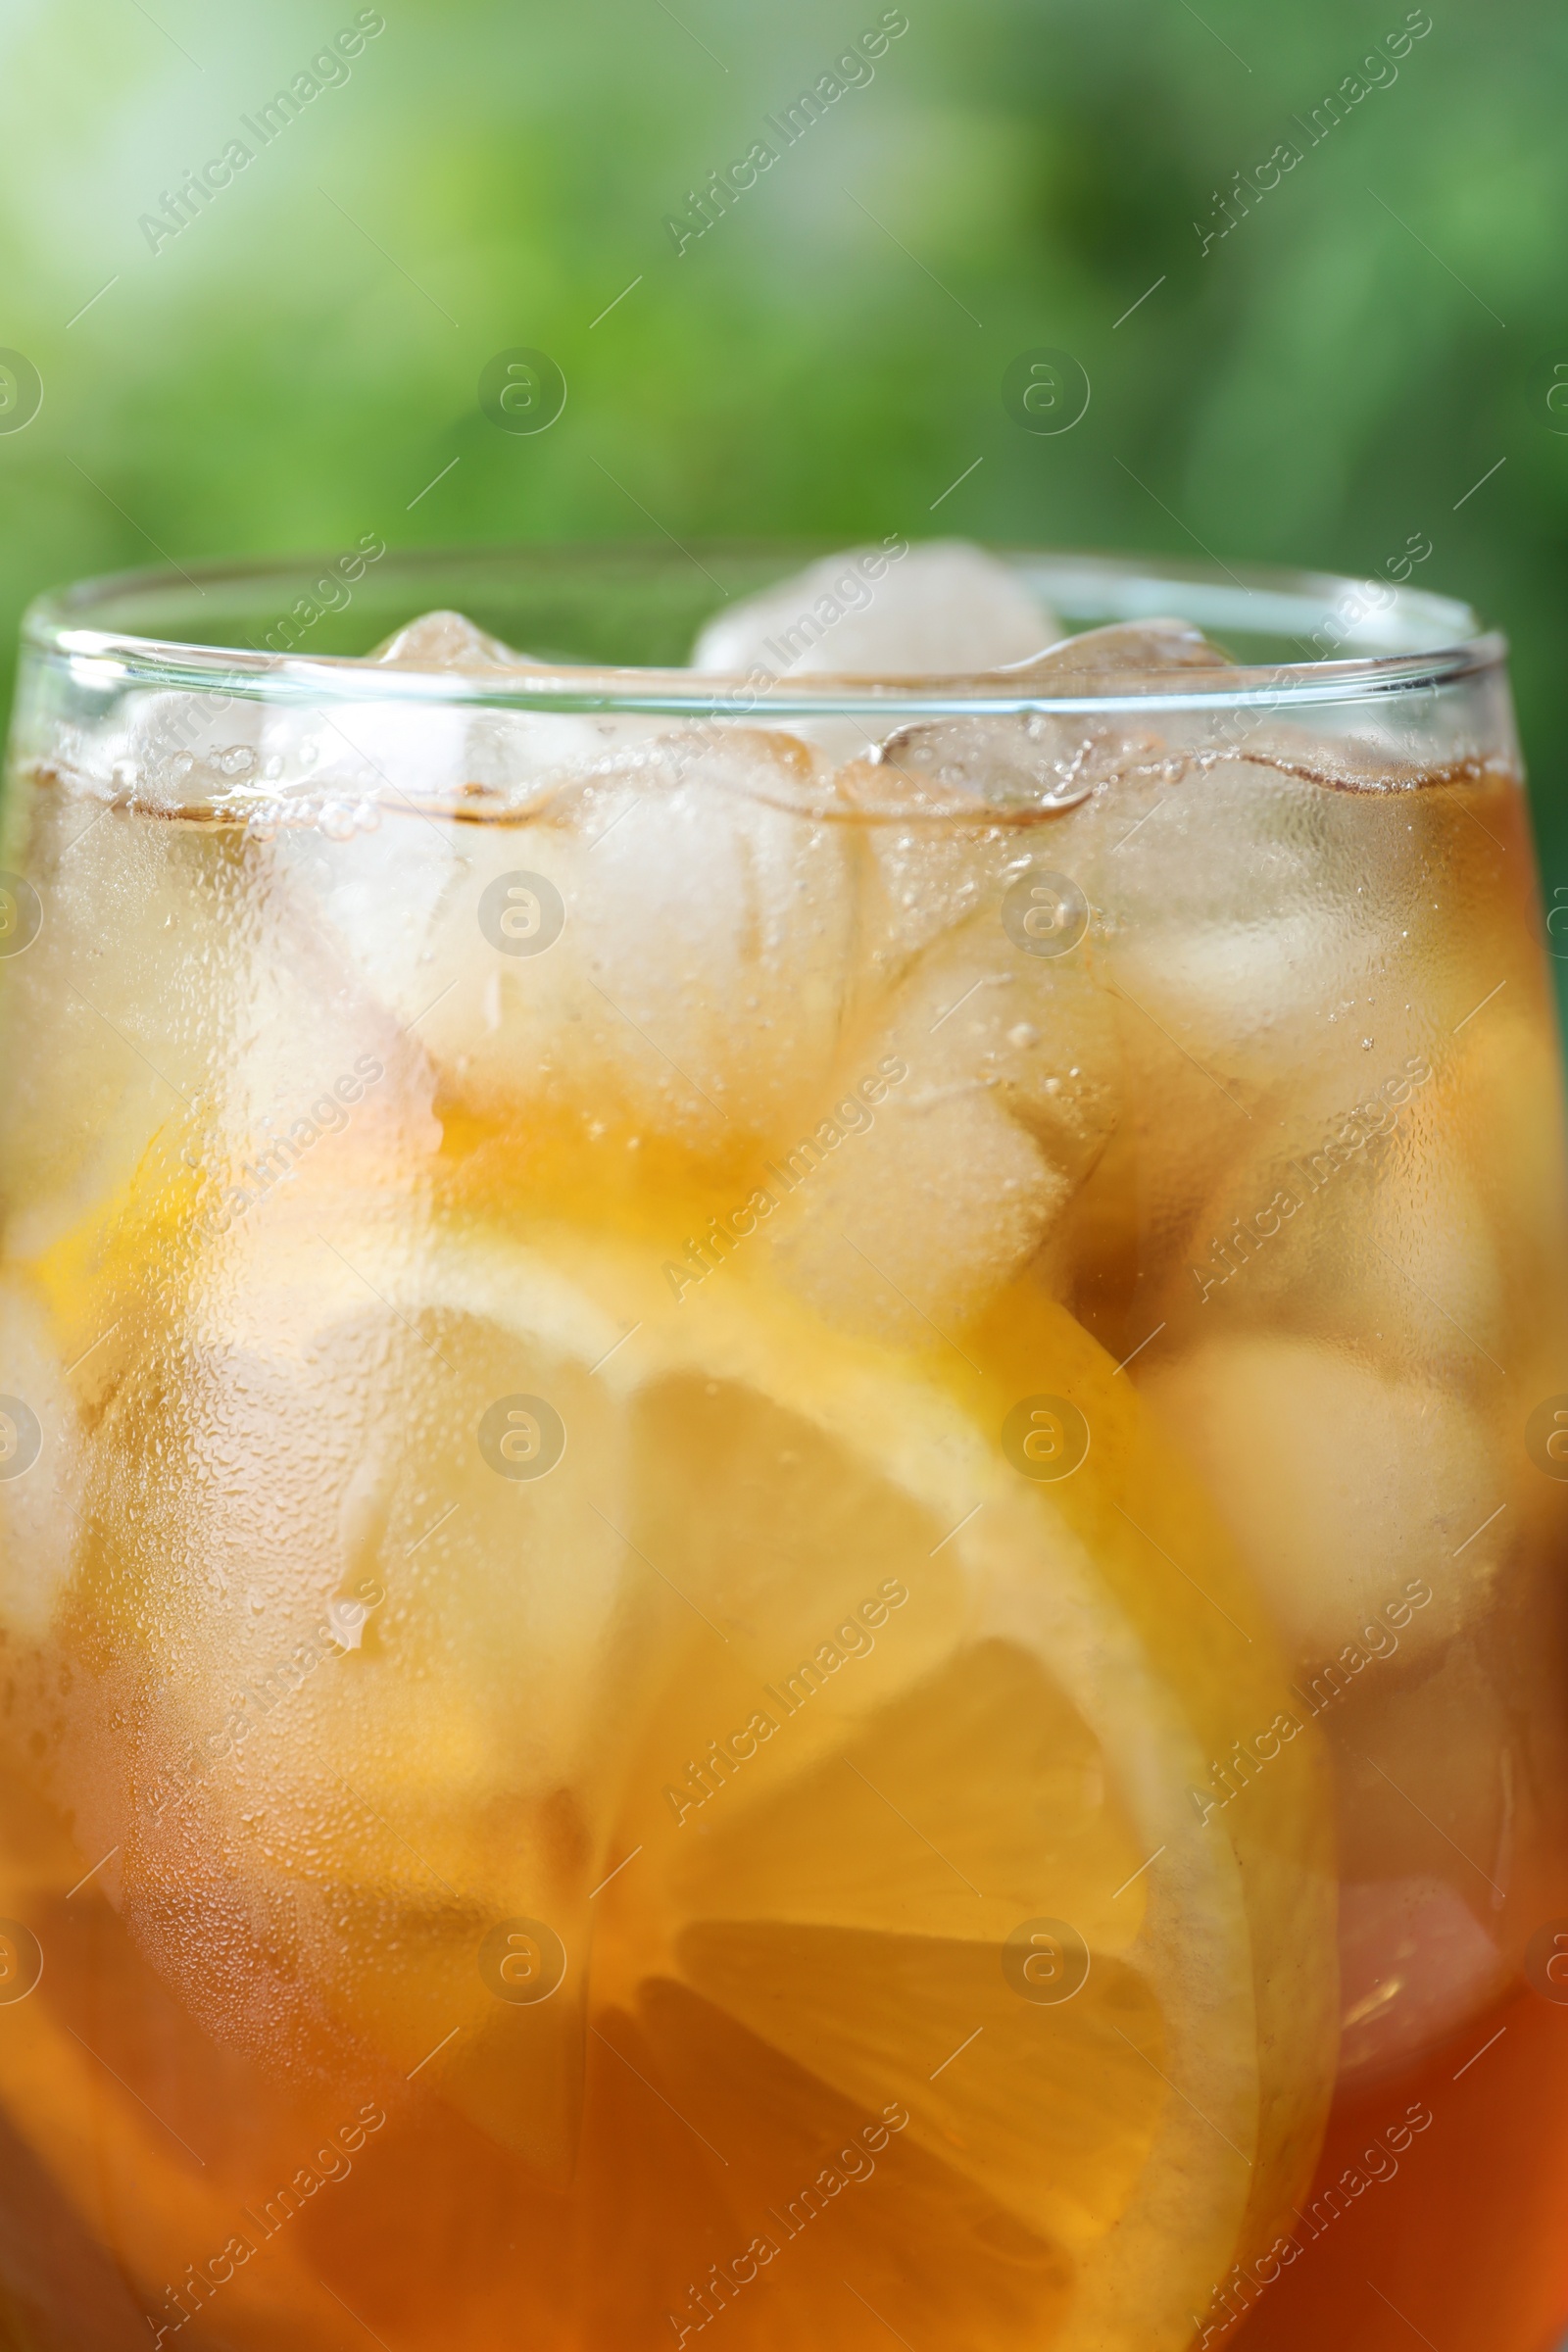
{"x": 1426, "y": 640}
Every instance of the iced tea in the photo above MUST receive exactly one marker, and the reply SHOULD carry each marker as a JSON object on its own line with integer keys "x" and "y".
{"x": 782, "y": 1489}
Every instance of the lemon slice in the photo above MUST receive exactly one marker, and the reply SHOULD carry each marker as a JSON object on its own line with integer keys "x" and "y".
{"x": 751, "y": 1798}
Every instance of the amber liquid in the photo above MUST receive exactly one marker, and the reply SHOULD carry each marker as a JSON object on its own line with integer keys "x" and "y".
{"x": 1400, "y": 2259}
{"x": 422, "y": 2198}
{"x": 795, "y": 2084}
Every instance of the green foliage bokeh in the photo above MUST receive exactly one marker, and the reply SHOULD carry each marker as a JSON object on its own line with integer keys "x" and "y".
{"x": 1331, "y": 378}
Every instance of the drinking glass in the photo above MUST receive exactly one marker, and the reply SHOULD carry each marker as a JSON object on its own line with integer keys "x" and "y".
{"x": 782, "y": 1470}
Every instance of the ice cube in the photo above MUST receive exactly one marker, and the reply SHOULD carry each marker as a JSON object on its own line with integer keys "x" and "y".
{"x": 1370, "y": 1236}
{"x": 1267, "y": 904}
{"x": 447, "y": 640}
{"x": 1431, "y": 1771}
{"x": 193, "y": 1044}
{"x": 40, "y": 1467}
{"x": 692, "y": 909}
{"x": 661, "y": 948}
{"x": 173, "y": 750}
{"x": 157, "y": 750}
{"x": 929, "y": 787}
{"x": 1341, "y": 1487}
{"x": 338, "y": 769}
{"x": 1391, "y": 1191}
{"x": 1268, "y": 943}
{"x": 1244, "y": 908}
{"x": 1039, "y": 759}
{"x": 511, "y": 754}
{"x": 1414, "y": 1963}
{"x": 911, "y": 1234}
{"x": 938, "y": 610}
{"x": 1129, "y": 649}
{"x": 1271, "y": 944}
{"x": 118, "y": 1000}
{"x": 964, "y": 1119}
{"x": 314, "y": 1074}
{"x": 1443, "y": 1847}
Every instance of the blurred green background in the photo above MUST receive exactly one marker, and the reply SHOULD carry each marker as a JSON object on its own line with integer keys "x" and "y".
{"x": 1366, "y": 358}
